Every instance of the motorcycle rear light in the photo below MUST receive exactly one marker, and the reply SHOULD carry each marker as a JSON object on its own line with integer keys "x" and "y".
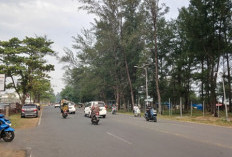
{"x": 23, "y": 110}
{"x": 35, "y": 110}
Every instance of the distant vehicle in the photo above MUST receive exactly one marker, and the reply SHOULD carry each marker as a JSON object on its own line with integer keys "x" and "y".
{"x": 95, "y": 118}
{"x": 137, "y": 112}
{"x": 72, "y": 108}
{"x": 38, "y": 105}
{"x": 101, "y": 104}
{"x": 151, "y": 114}
{"x": 57, "y": 105}
{"x": 29, "y": 110}
{"x": 114, "y": 110}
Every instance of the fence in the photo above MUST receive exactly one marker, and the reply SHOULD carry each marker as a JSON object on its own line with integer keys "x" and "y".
{"x": 13, "y": 108}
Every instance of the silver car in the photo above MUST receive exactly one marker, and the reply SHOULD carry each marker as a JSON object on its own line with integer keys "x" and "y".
{"x": 29, "y": 110}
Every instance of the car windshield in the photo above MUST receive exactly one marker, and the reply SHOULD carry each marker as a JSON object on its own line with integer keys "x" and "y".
{"x": 101, "y": 104}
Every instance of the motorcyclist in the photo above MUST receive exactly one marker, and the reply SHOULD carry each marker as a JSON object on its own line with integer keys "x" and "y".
{"x": 94, "y": 110}
{"x": 135, "y": 108}
{"x": 148, "y": 110}
{"x": 114, "y": 108}
{"x": 64, "y": 106}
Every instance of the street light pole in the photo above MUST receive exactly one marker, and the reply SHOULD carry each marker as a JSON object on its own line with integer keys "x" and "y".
{"x": 146, "y": 86}
{"x": 224, "y": 93}
{"x": 225, "y": 99}
{"x": 145, "y": 68}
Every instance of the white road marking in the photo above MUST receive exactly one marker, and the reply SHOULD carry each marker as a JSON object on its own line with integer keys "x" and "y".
{"x": 119, "y": 138}
{"x": 40, "y": 117}
{"x": 29, "y": 151}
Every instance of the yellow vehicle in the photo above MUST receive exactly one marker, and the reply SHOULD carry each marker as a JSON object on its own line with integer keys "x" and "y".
{"x": 64, "y": 107}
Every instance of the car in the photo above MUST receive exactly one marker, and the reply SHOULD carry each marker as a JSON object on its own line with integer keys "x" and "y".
{"x": 57, "y": 105}
{"x": 101, "y": 104}
{"x": 29, "y": 110}
{"x": 72, "y": 108}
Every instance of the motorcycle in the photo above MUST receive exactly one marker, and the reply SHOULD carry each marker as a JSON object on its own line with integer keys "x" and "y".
{"x": 95, "y": 118}
{"x": 114, "y": 110}
{"x": 151, "y": 114}
{"x": 65, "y": 114}
{"x": 6, "y": 132}
{"x": 137, "y": 112}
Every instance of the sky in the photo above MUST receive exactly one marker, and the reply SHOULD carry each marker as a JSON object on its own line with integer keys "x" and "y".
{"x": 59, "y": 20}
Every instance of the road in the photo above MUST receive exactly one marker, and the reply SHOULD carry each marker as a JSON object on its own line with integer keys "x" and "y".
{"x": 122, "y": 136}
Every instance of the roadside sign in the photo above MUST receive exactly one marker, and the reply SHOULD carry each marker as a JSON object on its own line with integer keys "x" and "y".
{"x": 2, "y": 82}
{"x": 218, "y": 104}
{"x": 149, "y": 100}
{"x": 226, "y": 103}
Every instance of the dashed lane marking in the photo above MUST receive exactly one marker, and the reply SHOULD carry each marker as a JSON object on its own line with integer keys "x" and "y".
{"x": 119, "y": 138}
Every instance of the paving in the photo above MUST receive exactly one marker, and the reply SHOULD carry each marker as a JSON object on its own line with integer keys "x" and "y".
{"x": 121, "y": 135}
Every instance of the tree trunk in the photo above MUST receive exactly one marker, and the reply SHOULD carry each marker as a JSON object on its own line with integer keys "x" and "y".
{"x": 213, "y": 85}
{"x": 23, "y": 99}
{"x": 202, "y": 80}
{"x": 154, "y": 11}
{"x": 229, "y": 81}
{"x": 128, "y": 78}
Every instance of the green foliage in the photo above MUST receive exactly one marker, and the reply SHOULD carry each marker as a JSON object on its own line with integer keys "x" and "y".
{"x": 23, "y": 61}
{"x": 190, "y": 51}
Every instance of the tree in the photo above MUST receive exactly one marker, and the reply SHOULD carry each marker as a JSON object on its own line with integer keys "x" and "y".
{"x": 206, "y": 42}
{"x": 23, "y": 61}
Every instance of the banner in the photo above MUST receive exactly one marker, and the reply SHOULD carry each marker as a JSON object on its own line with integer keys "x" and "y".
{"x": 2, "y": 82}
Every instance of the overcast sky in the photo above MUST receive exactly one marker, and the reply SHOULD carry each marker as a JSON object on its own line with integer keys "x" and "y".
{"x": 59, "y": 20}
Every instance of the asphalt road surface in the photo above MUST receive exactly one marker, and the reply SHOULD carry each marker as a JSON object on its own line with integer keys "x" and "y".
{"x": 121, "y": 136}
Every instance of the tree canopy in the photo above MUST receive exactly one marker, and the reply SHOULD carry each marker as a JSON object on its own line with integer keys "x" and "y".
{"x": 23, "y": 61}
{"x": 183, "y": 56}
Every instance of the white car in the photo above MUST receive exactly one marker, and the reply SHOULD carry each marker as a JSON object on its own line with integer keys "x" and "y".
{"x": 72, "y": 108}
{"x": 101, "y": 104}
{"x": 57, "y": 105}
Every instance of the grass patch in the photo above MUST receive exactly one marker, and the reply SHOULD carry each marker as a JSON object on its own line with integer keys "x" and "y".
{"x": 207, "y": 119}
{"x": 16, "y": 120}
{"x": 12, "y": 153}
{"x": 125, "y": 112}
{"x": 23, "y": 123}
{"x": 197, "y": 117}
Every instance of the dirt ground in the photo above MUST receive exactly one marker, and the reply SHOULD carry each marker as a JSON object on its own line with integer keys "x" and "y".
{"x": 18, "y": 123}
{"x": 12, "y": 153}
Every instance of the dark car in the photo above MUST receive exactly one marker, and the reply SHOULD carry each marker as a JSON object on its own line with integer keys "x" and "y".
{"x": 29, "y": 110}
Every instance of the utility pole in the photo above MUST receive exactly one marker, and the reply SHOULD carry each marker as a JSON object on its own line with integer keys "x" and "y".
{"x": 169, "y": 107}
{"x": 191, "y": 108}
{"x": 145, "y": 68}
{"x": 203, "y": 108}
{"x": 224, "y": 91}
{"x": 180, "y": 107}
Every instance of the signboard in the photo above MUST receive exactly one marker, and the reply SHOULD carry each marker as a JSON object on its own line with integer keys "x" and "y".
{"x": 2, "y": 82}
{"x": 149, "y": 100}
{"x": 218, "y": 104}
{"x": 226, "y": 102}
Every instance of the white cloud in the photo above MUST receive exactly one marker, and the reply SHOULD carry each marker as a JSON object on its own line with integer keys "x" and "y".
{"x": 174, "y": 5}
{"x": 58, "y": 19}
